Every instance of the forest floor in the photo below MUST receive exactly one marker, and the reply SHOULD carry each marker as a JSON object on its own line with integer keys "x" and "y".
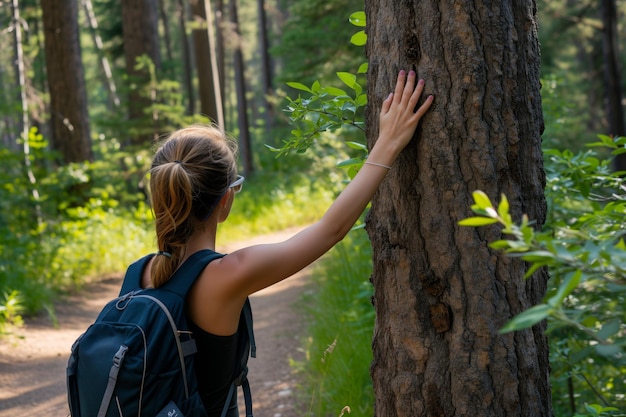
{"x": 33, "y": 361}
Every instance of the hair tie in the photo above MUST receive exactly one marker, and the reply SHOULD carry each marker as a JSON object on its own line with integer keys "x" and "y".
{"x": 166, "y": 254}
{"x": 178, "y": 162}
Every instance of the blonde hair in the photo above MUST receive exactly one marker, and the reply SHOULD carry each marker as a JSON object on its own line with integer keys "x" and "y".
{"x": 190, "y": 173}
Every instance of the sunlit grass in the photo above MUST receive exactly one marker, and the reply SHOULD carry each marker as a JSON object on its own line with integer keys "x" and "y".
{"x": 335, "y": 373}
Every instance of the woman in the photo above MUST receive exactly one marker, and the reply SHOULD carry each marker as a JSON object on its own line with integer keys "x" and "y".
{"x": 193, "y": 184}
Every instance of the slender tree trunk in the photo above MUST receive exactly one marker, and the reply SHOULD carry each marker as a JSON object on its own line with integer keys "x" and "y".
{"x": 14, "y": 122}
{"x": 612, "y": 78}
{"x": 187, "y": 62}
{"x": 219, "y": 44}
{"x": 242, "y": 103}
{"x": 114, "y": 100}
{"x": 21, "y": 76}
{"x": 166, "y": 31}
{"x": 266, "y": 65}
{"x": 441, "y": 294}
{"x": 68, "y": 98}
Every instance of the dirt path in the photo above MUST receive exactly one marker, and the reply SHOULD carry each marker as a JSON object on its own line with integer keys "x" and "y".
{"x": 32, "y": 367}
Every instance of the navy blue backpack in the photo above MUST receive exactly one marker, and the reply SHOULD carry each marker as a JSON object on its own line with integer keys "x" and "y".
{"x": 136, "y": 359}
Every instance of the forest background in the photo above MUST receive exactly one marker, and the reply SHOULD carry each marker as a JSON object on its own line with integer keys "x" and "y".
{"x": 73, "y": 196}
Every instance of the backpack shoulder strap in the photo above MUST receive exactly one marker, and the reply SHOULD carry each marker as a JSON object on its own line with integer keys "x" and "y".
{"x": 183, "y": 279}
{"x": 132, "y": 279}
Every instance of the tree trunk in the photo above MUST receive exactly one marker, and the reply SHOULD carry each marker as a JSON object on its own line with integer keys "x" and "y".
{"x": 204, "y": 68}
{"x": 242, "y": 103}
{"x": 66, "y": 83}
{"x": 613, "y": 84}
{"x": 21, "y": 81}
{"x": 167, "y": 39}
{"x": 219, "y": 52}
{"x": 140, "y": 27}
{"x": 266, "y": 66}
{"x": 441, "y": 294}
{"x": 187, "y": 61}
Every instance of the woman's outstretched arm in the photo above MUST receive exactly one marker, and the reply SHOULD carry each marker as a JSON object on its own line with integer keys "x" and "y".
{"x": 254, "y": 268}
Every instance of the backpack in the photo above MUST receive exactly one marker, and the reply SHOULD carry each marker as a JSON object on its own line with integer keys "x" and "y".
{"x": 136, "y": 359}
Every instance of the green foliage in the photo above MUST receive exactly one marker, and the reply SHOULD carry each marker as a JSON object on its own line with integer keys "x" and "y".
{"x": 583, "y": 248}
{"x": 325, "y": 109}
{"x": 74, "y": 229}
{"x": 10, "y": 312}
{"x": 336, "y": 369}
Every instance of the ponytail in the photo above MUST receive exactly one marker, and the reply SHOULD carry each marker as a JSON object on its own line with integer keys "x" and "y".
{"x": 172, "y": 220}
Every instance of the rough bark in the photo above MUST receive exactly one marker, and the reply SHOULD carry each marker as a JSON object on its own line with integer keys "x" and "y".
{"x": 441, "y": 294}
{"x": 66, "y": 83}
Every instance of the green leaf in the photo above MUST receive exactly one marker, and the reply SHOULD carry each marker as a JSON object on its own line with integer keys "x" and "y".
{"x": 359, "y": 38}
{"x": 481, "y": 199}
{"x": 568, "y": 285}
{"x": 361, "y": 100}
{"x": 350, "y": 162}
{"x": 528, "y": 318}
{"x": 348, "y": 79}
{"x": 363, "y": 68}
{"x": 538, "y": 256}
{"x": 477, "y": 221}
{"x": 597, "y": 409}
{"x": 299, "y": 86}
{"x": 593, "y": 409}
{"x": 503, "y": 207}
{"x": 334, "y": 91}
{"x": 608, "y": 350}
{"x": 358, "y": 19}
{"x": 609, "y": 329}
{"x": 607, "y": 140}
{"x": 499, "y": 244}
{"x": 532, "y": 270}
{"x": 357, "y": 145}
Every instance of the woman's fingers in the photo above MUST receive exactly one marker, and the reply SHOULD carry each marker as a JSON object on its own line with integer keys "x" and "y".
{"x": 400, "y": 86}
{"x": 387, "y": 104}
{"x": 399, "y": 110}
{"x": 424, "y": 107}
{"x": 409, "y": 89}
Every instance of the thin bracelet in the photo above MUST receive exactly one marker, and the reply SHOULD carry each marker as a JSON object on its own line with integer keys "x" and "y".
{"x": 378, "y": 165}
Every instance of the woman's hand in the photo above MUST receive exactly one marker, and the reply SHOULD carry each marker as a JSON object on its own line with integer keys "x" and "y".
{"x": 398, "y": 118}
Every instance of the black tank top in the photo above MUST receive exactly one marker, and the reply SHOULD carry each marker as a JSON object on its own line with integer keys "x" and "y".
{"x": 217, "y": 364}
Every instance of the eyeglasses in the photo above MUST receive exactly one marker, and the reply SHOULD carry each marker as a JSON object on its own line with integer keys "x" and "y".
{"x": 238, "y": 184}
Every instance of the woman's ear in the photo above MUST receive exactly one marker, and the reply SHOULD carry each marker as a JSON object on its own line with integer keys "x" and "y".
{"x": 225, "y": 204}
